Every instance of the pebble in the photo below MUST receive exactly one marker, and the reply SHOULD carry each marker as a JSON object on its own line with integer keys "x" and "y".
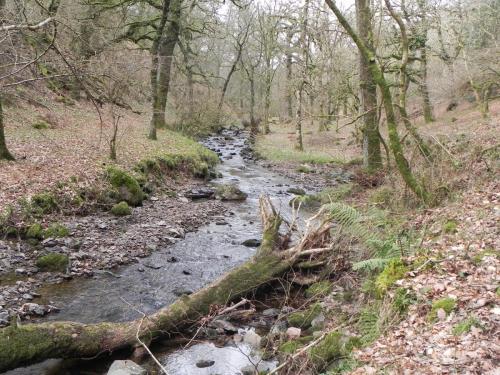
{"x": 293, "y": 333}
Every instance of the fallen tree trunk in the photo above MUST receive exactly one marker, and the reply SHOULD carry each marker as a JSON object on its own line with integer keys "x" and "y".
{"x": 32, "y": 343}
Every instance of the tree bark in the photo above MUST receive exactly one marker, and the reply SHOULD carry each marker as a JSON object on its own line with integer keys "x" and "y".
{"x": 424, "y": 89}
{"x": 32, "y": 343}
{"x": 289, "y": 75}
{"x": 4, "y": 151}
{"x": 372, "y": 158}
{"x": 163, "y": 55}
{"x": 392, "y": 124}
{"x": 299, "y": 145}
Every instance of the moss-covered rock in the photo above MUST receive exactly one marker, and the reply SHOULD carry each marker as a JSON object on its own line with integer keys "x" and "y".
{"x": 53, "y": 262}
{"x": 121, "y": 209}
{"x": 319, "y": 289}
{"x": 126, "y": 186}
{"x": 289, "y": 347}
{"x": 303, "y": 319}
{"x": 230, "y": 192}
{"x": 35, "y": 231}
{"x": 55, "y": 230}
{"x": 392, "y": 272}
{"x": 447, "y": 304}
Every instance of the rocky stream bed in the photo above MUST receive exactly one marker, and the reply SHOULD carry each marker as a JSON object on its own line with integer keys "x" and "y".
{"x": 169, "y": 247}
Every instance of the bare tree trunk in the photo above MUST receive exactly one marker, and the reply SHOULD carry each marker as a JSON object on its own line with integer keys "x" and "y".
{"x": 267, "y": 98}
{"x": 162, "y": 66}
{"x": 4, "y": 152}
{"x": 299, "y": 145}
{"x": 372, "y": 158}
{"x": 289, "y": 75}
{"x": 424, "y": 89}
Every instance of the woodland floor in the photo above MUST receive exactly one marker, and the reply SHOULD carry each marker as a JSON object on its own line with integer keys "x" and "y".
{"x": 463, "y": 263}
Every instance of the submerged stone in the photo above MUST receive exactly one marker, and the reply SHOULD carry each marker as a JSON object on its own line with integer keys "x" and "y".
{"x": 126, "y": 368}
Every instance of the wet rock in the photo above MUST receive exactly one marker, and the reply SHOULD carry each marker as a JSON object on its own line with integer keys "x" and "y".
{"x": 230, "y": 193}
{"x": 21, "y": 271}
{"x": 172, "y": 260}
{"x": 27, "y": 296}
{"x": 252, "y": 339}
{"x": 202, "y": 193}
{"x": 255, "y": 369}
{"x": 176, "y": 232}
{"x": 296, "y": 191}
{"x": 224, "y": 325}
{"x": 253, "y": 242}
{"x": 152, "y": 266}
{"x": 221, "y": 222}
{"x": 4, "y": 318}
{"x": 271, "y": 313}
{"x": 33, "y": 309}
{"x": 126, "y": 368}
{"x": 49, "y": 242}
{"x": 204, "y": 363}
{"x": 186, "y": 272}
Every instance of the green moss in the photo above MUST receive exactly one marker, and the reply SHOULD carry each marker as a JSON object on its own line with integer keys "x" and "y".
{"x": 319, "y": 289}
{"x": 55, "y": 230}
{"x": 392, "y": 272}
{"x": 447, "y": 304}
{"x": 40, "y": 125}
{"x": 332, "y": 347}
{"x": 121, "y": 209}
{"x": 53, "y": 262}
{"x": 466, "y": 325}
{"x": 35, "y": 231}
{"x": 303, "y": 319}
{"x": 450, "y": 227}
{"x": 127, "y": 187}
{"x": 335, "y": 194}
{"x": 43, "y": 203}
{"x": 289, "y": 347}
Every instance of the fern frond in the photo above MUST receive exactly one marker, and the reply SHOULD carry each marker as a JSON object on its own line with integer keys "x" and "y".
{"x": 371, "y": 264}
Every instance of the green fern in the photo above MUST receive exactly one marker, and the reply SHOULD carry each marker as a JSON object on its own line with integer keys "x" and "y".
{"x": 350, "y": 220}
{"x": 368, "y": 324}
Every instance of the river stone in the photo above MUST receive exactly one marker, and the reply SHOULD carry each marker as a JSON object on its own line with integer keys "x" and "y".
{"x": 253, "y": 242}
{"x": 201, "y": 193}
{"x": 225, "y": 325}
{"x": 182, "y": 292}
{"x": 296, "y": 191}
{"x": 126, "y": 368}
{"x": 252, "y": 339}
{"x": 293, "y": 333}
{"x": 230, "y": 193}
{"x": 203, "y": 363}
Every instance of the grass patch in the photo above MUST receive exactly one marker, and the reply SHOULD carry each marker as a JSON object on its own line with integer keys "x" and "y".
{"x": 450, "y": 227}
{"x": 270, "y": 151}
{"x": 466, "y": 325}
{"x": 53, "y": 262}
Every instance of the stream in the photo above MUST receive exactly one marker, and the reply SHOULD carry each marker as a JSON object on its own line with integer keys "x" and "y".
{"x": 182, "y": 267}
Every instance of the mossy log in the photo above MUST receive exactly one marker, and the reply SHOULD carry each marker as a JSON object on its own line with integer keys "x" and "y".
{"x": 32, "y": 343}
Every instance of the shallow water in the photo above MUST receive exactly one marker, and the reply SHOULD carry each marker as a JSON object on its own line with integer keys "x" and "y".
{"x": 201, "y": 257}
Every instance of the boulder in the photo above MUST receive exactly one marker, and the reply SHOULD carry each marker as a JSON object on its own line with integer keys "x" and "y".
{"x": 204, "y": 363}
{"x": 252, "y": 339}
{"x": 253, "y": 242}
{"x": 230, "y": 193}
{"x": 126, "y": 368}
{"x": 293, "y": 333}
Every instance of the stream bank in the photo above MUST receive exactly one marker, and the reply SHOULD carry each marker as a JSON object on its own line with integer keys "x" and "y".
{"x": 179, "y": 268}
